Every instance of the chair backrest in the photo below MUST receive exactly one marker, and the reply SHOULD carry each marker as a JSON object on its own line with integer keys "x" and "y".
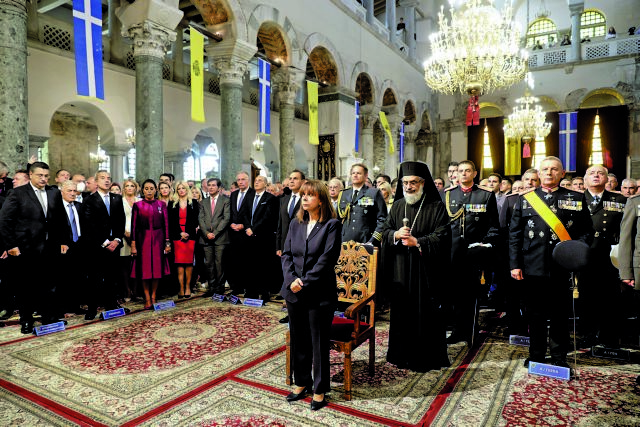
{"x": 356, "y": 272}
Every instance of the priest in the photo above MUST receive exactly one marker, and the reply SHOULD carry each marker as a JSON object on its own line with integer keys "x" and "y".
{"x": 416, "y": 247}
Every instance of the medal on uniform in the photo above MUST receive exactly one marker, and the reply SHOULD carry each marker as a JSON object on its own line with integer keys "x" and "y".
{"x": 596, "y": 234}
{"x": 553, "y": 236}
{"x": 525, "y": 205}
{"x": 548, "y": 196}
{"x": 569, "y": 223}
{"x": 553, "y": 209}
{"x": 531, "y": 234}
{"x": 541, "y": 234}
{"x": 530, "y": 223}
{"x": 570, "y": 197}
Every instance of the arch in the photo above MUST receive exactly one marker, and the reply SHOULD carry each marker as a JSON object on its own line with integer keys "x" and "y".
{"x": 603, "y": 97}
{"x": 322, "y": 66}
{"x": 224, "y": 17}
{"x": 360, "y": 68}
{"x": 365, "y": 89}
{"x": 409, "y": 113}
{"x": 490, "y": 109}
{"x": 387, "y": 85}
{"x": 541, "y": 30}
{"x": 99, "y": 118}
{"x": 275, "y": 21}
{"x": 548, "y": 103}
{"x": 316, "y": 40}
{"x": 425, "y": 124}
{"x": 592, "y": 23}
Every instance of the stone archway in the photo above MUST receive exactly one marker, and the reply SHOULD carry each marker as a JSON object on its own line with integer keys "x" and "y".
{"x": 224, "y": 17}
{"x": 409, "y": 112}
{"x": 321, "y": 66}
{"x": 275, "y": 36}
{"x": 389, "y": 98}
{"x": 365, "y": 90}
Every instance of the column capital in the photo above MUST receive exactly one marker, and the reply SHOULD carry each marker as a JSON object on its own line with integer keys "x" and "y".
{"x": 286, "y": 83}
{"x": 17, "y": 5}
{"x": 575, "y": 6}
{"x": 409, "y": 3}
{"x": 149, "y": 39}
{"x": 230, "y": 58}
{"x": 177, "y": 156}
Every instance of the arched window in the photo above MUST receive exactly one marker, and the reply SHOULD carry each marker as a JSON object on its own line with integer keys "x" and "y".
{"x": 105, "y": 161}
{"x": 130, "y": 163}
{"x": 487, "y": 161}
{"x": 209, "y": 161}
{"x": 189, "y": 167}
{"x": 596, "y": 157}
{"x": 543, "y": 30}
{"x": 592, "y": 24}
{"x": 539, "y": 151}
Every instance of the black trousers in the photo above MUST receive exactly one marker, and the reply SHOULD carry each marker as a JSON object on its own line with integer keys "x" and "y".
{"x": 33, "y": 277}
{"x": 548, "y": 298}
{"x": 237, "y": 273}
{"x": 214, "y": 256}
{"x": 310, "y": 328}
{"x": 102, "y": 276}
{"x": 71, "y": 278}
{"x": 462, "y": 296}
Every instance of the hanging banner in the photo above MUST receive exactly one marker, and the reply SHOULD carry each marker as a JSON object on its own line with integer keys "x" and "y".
{"x": 87, "y": 35}
{"x": 385, "y": 126}
{"x": 197, "y": 75}
{"x": 401, "y": 143}
{"x": 312, "y": 95}
{"x": 264, "y": 97}
{"x": 512, "y": 158}
{"x": 357, "y": 145}
{"x": 569, "y": 140}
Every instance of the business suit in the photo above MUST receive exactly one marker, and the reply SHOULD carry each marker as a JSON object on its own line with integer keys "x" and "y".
{"x": 312, "y": 260}
{"x": 216, "y": 222}
{"x": 237, "y": 274}
{"x": 629, "y": 249}
{"x": 71, "y": 280}
{"x": 262, "y": 244}
{"x": 99, "y": 226}
{"x": 284, "y": 219}
{"x": 23, "y": 225}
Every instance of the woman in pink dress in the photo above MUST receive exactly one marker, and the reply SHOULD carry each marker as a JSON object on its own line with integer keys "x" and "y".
{"x": 183, "y": 222}
{"x": 150, "y": 241}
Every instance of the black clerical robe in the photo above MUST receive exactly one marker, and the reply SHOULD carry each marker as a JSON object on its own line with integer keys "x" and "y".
{"x": 416, "y": 277}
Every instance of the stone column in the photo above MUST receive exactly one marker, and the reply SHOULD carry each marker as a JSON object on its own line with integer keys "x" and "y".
{"x": 117, "y": 48}
{"x": 116, "y": 164}
{"x": 575, "y": 8}
{"x": 409, "y": 143}
{"x": 33, "y": 26}
{"x": 391, "y": 162}
{"x": 14, "y": 134}
{"x": 175, "y": 160}
{"x": 368, "y": 118}
{"x": 370, "y": 17}
{"x": 391, "y": 19}
{"x": 36, "y": 142}
{"x": 231, "y": 57}
{"x": 410, "y": 21}
{"x": 178, "y": 56}
{"x": 286, "y": 84}
{"x": 151, "y": 38}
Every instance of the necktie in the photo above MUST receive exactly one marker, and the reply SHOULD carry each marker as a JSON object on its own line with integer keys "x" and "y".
{"x": 292, "y": 206}
{"x": 596, "y": 200}
{"x": 74, "y": 227}
{"x": 240, "y": 199}
{"x": 255, "y": 203}
{"x": 355, "y": 197}
{"x": 213, "y": 205}
{"x": 42, "y": 196}
{"x": 106, "y": 203}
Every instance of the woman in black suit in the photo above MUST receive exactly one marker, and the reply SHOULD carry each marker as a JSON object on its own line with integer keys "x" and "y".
{"x": 183, "y": 222}
{"x": 310, "y": 254}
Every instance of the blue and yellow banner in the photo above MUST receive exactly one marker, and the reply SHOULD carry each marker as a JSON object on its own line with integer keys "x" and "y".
{"x": 387, "y": 129}
{"x": 312, "y": 96}
{"x": 197, "y": 75}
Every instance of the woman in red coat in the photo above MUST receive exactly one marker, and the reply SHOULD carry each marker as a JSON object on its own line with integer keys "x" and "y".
{"x": 150, "y": 241}
{"x": 183, "y": 222}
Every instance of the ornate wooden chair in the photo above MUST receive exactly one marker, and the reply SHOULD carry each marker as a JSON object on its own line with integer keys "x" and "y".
{"x": 356, "y": 285}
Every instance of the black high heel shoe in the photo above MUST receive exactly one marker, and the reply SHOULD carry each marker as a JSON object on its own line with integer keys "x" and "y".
{"x": 315, "y": 405}
{"x": 292, "y": 397}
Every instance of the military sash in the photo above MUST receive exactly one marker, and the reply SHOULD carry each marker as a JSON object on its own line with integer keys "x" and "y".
{"x": 547, "y": 215}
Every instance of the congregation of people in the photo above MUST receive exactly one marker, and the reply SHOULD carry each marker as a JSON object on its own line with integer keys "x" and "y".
{"x": 447, "y": 247}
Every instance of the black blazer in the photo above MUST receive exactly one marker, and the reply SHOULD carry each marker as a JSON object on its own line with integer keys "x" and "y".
{"x": 23, "y": 223}
{"x": 264, "y": 221}
{"x": 313, "y": 260}
{"x": 193, "y": 211}
{"x": 98, "y": 225}
{"x": 66, "y": 235}
{"x": 606, "y": 217}
{"x": 284, "y": 220}
{"x": 243, "y": 215}
{"x": 218, "y": 223}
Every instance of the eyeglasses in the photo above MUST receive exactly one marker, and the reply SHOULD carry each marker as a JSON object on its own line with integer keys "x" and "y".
{"x": 412, "y": 183}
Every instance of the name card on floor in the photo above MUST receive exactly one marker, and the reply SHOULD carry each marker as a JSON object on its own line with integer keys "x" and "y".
{"x": 163, "y": 305}
{"x": 251, "y": 302}
{"x": 217, "y": 297}
{"x": 234, "y": 299}
{"x": 110, "y": 314}
{"x": 551, "y": 371}
{"x": 519, "y": 340}
{"x": 338, "y": 314}
{"x": 611, "y": 353}
{"x": 49, "y": 329}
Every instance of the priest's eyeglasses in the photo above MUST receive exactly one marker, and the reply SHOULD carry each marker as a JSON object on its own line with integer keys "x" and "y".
{"x": 412, "y": 183}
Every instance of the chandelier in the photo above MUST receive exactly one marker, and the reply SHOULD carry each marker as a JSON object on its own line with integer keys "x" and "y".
{"x": 258, "y": 143}
{"x": 476, "y": 52}
{"x": 527, "y": 122}
{"x": 100, "y": 155}
{"x": 130, "y": 137}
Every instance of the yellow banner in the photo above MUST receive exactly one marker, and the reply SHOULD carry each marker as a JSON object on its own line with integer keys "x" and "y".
{"x": 512, "y": 156}
{"x": 197, "y": 76}
{"x": 385, "y": 126}
{"x": 312, "y": 96}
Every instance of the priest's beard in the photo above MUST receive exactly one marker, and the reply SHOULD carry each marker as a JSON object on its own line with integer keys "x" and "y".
{"x": 414, "y": 198}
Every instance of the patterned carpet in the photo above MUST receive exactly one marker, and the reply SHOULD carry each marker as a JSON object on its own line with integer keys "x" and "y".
{"x": 213, "y": 364}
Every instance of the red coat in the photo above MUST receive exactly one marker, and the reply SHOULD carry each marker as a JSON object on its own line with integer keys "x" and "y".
{"x": 150, "y": 231}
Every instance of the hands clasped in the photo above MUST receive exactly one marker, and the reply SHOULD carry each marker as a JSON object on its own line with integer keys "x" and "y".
{"x": 296, "y": 286}
{"x": 404, "y": 235}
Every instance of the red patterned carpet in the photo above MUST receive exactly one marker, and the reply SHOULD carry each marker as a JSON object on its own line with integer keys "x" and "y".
{"x": 212, "y": 364}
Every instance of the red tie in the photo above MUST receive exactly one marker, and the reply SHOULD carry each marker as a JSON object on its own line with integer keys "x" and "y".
{"x": 213, "y": 205}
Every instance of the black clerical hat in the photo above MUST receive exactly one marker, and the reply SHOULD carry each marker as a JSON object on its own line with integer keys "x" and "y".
{"x": 417, "y": 169}
{"x": 572, "y": 255}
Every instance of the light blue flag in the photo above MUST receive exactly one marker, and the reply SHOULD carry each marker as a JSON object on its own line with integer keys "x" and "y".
{"x": 87, "y": 34}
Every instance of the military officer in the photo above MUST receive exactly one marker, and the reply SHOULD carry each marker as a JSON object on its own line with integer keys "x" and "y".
{"x": 599, "y": 283}
{"x": 362, "y": 209}
{"x": 474, "y": 220}
{"x": 531, "y": 244}
{"x": 629, "y": 265}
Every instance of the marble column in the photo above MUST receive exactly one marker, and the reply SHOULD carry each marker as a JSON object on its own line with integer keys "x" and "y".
{"x": 116, "y": 164}
{"x": 410, "y": 21}
{"x": 178, "y": 56}
{"x": 391, "y": 163}
{"x": 391, "y": 19}
{"x": 33, "y": 26}
{"x": 175, "y": 163}
{"x": 117, "y": 48}
{"x": 35, "y": 143}
{"x": 231, "y": 57}
{"x": 409, "y": 143}
{"x": 14, "y": 135}
{"x": 575, "y": 8}
{"x": 368, "y": 118}
{"x": 285, "y": 83}
{"x": 370, "y": 16}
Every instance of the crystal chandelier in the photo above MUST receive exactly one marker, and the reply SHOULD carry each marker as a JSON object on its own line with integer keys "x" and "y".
{"x": 476, "y": 52}
{"x": 258, "y": 143}
{"x": 527, "y": 122}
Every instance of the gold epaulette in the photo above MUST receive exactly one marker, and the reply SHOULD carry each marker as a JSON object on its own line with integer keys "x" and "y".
{"x": 450, "y": 188}
{"x": 482, "y": 187}
{"x": 511, "y": 195}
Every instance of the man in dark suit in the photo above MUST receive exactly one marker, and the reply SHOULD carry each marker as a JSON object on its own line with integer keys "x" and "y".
{"x": 240, "y": 220}
{"x": 214, "y": 234}
{"x": 289, "y": 205}
{"x": 262, "y": 239}
{"x": 531, "y": 244}
{"x": 599, "y": 283}
{"x": 103, "y": 228}
{"x": 27, "y": 228}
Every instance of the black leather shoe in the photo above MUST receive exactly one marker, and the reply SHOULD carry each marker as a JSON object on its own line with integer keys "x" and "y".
{"x": 284, "y": 320}
{"x": 292, "y": 397}
{"x": 27, "y": 327}
{"x": 315, "y": 405}
{"x": 90, "y": 315}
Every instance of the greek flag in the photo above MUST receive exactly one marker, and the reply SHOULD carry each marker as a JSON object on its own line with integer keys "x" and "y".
{"x": 569, "y": 140}
{"x": 402, "y": 141}
{"x": 357, "y": 147}
{"x": 87, "y": 34}
{"x": 264, "y": 95}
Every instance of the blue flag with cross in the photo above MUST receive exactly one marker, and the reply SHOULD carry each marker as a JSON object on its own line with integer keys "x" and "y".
{"x": 87, "y": 34}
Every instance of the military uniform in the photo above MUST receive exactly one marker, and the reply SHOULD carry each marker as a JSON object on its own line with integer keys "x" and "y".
{"x": 474, "y": 219}
{"x": 629, "y": 249}
{"x": 363, "y": 216}
{"x": 531, "y": 244}
{"x": 599, "y": 283}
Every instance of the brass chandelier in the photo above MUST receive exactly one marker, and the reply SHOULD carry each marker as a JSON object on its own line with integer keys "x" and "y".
{"x": 527, "y": 122}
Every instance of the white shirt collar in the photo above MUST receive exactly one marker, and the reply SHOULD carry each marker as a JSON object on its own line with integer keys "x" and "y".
{"x": 103, "y": 194}
{"x": 35, "y": 188}
{"x": 596, "y": 194}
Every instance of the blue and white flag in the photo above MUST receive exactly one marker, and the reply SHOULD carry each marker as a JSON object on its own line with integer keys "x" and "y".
{"x": 264, "y": 97}
{"x": 401, "y": 142}
{"x": 87, "y": 34}
{"x": 357, "y": 146}
{"x": 569, "y": 140}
